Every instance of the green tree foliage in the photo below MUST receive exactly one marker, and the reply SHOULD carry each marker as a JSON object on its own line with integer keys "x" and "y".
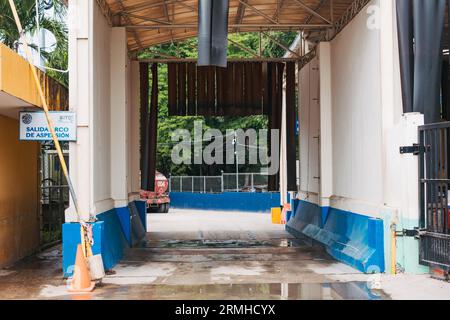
{"x": 166, "y": 124}
{"x": 26, "y": 10}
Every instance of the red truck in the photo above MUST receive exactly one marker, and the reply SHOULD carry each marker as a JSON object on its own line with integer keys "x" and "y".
{"x": 158, "y": 201}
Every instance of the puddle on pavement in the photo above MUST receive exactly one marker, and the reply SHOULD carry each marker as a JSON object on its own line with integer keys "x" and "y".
{"x": 277, "y": 291}
{"x": 220, "y": 244}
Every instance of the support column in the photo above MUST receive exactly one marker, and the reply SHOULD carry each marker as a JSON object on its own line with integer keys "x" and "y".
{"x": 326, "y": 126}
{"x": 133, "y": 132}
{"x": 79, "y": 96}
{"x": 119, "y": 117}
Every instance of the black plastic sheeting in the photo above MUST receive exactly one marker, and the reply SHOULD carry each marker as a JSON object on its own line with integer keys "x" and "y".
{"x": 149, "y": 124}
{"x": 213, "y": 32}
{"x": 242, "y": 89}
{"x": 420, "y": 27}
{"x": 291, "y": 154}
{"x": 144, "y": 130}
{"x": 153, "y": 130}
{"x": 275, "y": 80}
{"x": 405, "y": 41}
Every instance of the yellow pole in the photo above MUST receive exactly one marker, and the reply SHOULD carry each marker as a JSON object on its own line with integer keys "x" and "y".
{"x": 393, "y": 249}
{"x": 45, "y": 107}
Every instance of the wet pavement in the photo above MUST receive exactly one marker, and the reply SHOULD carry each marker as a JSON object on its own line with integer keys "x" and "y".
{"x": 225, "y": 257}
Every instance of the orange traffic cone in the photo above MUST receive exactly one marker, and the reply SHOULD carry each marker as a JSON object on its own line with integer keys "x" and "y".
{"x": 81, "y": 281}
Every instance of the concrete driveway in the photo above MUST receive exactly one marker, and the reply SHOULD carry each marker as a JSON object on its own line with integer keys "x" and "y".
{"x": 219, "y": 255}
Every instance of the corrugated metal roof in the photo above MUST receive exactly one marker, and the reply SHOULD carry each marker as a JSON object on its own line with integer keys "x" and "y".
{"x": 153, "y": 22}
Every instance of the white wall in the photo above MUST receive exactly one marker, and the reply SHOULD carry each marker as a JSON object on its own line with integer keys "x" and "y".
{"x": 362, "y": 129}
{"x": 309, "y": 121}
{"x": 79, "y": 101}
{"x": 119, "y": 81}
{"x": 360, "y": 109}
{"x": 357, "y": 113}
{"x": 100, "y": 94}
{"x": 101, "y": 111}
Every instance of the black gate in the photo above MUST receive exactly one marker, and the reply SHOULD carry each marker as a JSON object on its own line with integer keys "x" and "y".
{"x": 434, "y": 175}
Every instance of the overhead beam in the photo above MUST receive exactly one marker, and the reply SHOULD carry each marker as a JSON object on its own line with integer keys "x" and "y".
{"x": 352, "y": 11}
{"x": 319, "y": 6}
{"x": 258, "y": 12}
{"x": 166, "y": 11}
{"x": 144, "y": 18}
{"x": 243, "y": 25}
{"x": 106, "y": 11}
{"x": 332, "y": 11}
{"x": 240, "y": 14}
{"x": 183, "y": 4}
{"x": 182, "y": 60}
{"x": 280, "y": 4}
{"x": 313, "y": 12}
{"x": 127, "y": 20}
{"x": 149, "y": 5}
{"x": 166, "y": 14}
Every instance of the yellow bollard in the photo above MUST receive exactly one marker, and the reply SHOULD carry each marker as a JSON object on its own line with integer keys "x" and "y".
{"x": 276, "y": 215}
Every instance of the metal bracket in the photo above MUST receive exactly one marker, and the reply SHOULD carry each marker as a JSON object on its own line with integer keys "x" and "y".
{"x": 415, "y": 149}
{"x": 416, "y": 233}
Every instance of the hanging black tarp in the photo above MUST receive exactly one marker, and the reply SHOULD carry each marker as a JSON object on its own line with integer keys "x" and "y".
{"x": 429, "y": 19}
{"x": 182, "y": 70}
{"x": 242, "y": 89}
{"x": 248, "y": 89}
{"x": 420, "y": 31}
{"x": 237, "y": 97}
{"x": 213, "y": 32}
{"x": 211, "y": 92}
{"x": 221, "y": 85}
{"x": 257, "y": 89}
{"x": 202, "y": 93}
{"x": 275, "y": 79}
{"x": 153, "y": 130}
{"x": 265, "y": 87}
{"x": 144, "y": 125}
{"x": 405, "y": 41}
{"x": 192, "y": 89}
{"x": 291, "y": 145}
{"x": 172, "y": 88}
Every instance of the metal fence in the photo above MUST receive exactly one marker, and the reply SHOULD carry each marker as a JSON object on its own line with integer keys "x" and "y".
{"x": 434, "y": 181}
{"x": 54, "y": 196}
{"x": 227, "y": 182}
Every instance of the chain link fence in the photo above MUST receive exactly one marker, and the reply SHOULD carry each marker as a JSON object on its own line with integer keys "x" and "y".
{"x": 228, "y": 182}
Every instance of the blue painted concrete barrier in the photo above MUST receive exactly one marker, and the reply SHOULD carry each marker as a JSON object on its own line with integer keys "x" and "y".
{"x": 71, "y": 238}
{"x": 351, "y": 238}
{"x": 111, "y": 233}
{"x": 142, "y": 208}
{"x": 125, "y": 223}
{"x": 227, "y": 201}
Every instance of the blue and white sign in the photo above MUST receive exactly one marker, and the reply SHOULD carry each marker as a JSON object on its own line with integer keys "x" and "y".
{"x": 33, "y": 126}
